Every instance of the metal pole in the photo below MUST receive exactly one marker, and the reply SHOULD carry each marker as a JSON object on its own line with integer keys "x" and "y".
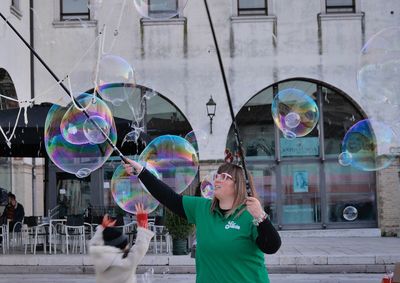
{"x": 62, "y": 86}
{"x": 228, "y": 96}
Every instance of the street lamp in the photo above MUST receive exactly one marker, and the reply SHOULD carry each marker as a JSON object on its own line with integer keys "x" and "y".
{"x": 211, "y": 106}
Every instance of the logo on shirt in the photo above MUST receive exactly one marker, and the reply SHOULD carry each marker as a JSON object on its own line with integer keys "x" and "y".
{"x": 232, "y": 225}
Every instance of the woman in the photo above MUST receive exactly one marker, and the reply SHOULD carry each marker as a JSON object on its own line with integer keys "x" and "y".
{"x": 232, "y": 230}
{"x": 109, "y": 250}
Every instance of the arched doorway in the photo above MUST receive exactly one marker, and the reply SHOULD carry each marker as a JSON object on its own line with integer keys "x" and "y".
{"x": 7, "y": 89}
{"x": 276, "y": 163}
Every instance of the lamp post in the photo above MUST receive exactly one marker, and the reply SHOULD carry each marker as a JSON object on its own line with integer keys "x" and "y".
{"x": 211, "y": 106}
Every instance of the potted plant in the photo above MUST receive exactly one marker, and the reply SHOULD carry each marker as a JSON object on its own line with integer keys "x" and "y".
{"x": 179, "y": 229}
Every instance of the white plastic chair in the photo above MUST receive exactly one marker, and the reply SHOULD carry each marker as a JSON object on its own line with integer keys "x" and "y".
{"x": 74, "y": 232}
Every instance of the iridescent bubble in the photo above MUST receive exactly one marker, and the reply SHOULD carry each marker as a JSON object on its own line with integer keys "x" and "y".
{"x": 78, "y": 159}
{"x": 350, "y": 213}
{"x": 294, "y": 112}
{"x": 292, "y": 120}
{"x": 197, "y": 138}
{"x": 379, "y": 67}
{"x": 115, "y": 79}
{"x": 72, "y": 123}
{"x": 83, "y": 172}
{"x": 128, "y": 190}
{"x": 175, "y": 160}
{"x": 207, "y": 188}
{"x": 370, "y": 144}
{"x": 345, "y": 158}
{"x": 160, "y": 9}
{"x": 96, "y": 129}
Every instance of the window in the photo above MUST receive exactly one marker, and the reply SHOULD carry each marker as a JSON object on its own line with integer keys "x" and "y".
{"x": 74, "y": 10}
{"x": 340, "y": 6}
{"x": 252, "y": 7}
{"x": 15, "y": 4}
{"x": 163, "y": 7}
{"x": 299, "y": 181}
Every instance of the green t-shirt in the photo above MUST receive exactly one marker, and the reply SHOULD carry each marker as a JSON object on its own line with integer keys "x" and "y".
{"x": 226, "y": 250}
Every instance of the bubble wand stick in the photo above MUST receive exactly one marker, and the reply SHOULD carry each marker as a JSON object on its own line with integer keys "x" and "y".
{"x": 228, "y": 96}
{"x": 63, "y": 87}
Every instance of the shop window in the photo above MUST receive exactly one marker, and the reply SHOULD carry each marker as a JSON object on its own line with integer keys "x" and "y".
{"x": 74, "y": 10}
{"x": 252, "y": 7}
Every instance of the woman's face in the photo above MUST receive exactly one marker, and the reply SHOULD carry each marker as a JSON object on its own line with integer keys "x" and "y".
{"x": 224, "y": 186}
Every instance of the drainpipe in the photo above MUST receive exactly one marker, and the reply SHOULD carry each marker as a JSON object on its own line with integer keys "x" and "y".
{"x": 32, "y": 73}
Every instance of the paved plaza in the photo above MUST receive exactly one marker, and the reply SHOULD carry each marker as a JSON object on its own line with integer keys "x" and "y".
{"x": 298, "y": 255}
{"x": 190, "y": 278}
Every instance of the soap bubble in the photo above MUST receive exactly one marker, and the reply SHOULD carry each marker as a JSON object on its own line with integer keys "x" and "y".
{"x": 175, "y": 160}
{"x": 78, "y": 159}
{"x": 370, "y": 144}
{"x": 207, "y": 187}
{"x": 96, "y": 129}
{"x": 294, "y": 112}
{"x": 345, "y": 158}
{"x": 73, "y": 121}
{"x": 115, "y": 79}
{"x": 379, "y": 67}
{"x": 128, "y": 190}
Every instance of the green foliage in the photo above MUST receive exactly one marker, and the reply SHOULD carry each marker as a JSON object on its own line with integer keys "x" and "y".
{"x": 178, "y": 227}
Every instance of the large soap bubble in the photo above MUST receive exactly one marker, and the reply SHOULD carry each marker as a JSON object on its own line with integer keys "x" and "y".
{"x": 369, "y": 145}
{"x": 379, "y": 67}
{"x": 115, "y": 79}
{"x": 128, "y": 190}
{"x": 175, "y": 160}
{"x": 294, "y": 112}
{"x": 78, "y": 159}
{"x": 160, "y": 9}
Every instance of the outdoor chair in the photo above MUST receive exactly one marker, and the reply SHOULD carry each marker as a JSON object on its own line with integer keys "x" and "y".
{"x": 74, "y": 233}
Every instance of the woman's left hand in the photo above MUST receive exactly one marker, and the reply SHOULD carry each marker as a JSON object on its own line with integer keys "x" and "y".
{"x": 254, "y": 207}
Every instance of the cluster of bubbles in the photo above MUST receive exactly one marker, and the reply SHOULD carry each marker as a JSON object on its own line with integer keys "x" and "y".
{"x": 295, "y": 113}
{"x": 75, "y": 141}
{"x": 368, "y": 145}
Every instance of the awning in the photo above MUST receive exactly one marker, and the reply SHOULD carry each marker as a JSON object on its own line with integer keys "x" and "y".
{"x": 28, "y": 140}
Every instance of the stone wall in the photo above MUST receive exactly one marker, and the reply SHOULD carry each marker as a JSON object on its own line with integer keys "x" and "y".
{"x": 388, "y": 200}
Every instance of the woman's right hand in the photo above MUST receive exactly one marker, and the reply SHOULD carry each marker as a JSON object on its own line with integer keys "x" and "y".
{"x": 107, "y": 221}
{"x": 141, "y": 215}
{"x": 131, "y": 166}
